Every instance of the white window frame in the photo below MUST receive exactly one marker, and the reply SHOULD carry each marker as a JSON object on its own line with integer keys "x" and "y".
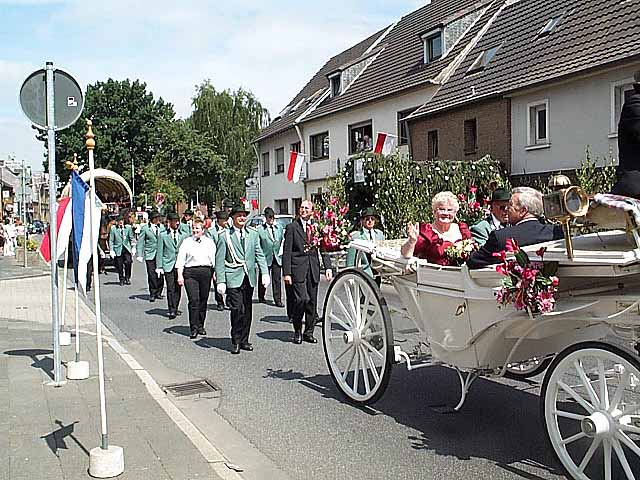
{"x": 532, "y": 143}
{"x": 425, "y": 46}
{"x": 275, "y": 164}
{"x": 332, "y": 78}
{"x": 613, "y": 125}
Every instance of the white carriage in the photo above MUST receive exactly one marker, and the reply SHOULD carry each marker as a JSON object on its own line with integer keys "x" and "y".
{"x": 590, "y": 400}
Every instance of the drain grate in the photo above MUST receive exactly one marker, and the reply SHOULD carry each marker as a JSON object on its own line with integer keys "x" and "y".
{"x": 197, "y": 387}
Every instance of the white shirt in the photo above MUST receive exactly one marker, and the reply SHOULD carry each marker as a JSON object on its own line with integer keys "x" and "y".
{"x": 495, "y": 223}
{"x": 196, "y": 254}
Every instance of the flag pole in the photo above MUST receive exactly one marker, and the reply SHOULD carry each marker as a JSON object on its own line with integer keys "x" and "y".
{"x": 65, "y": 337}
{"x": 78, "y": 369}
{"x": 107, "y": 460}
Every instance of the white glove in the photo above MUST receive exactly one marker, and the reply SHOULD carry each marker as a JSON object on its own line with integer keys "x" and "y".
{"x": 159, "y": 271}
{"x": 140, "y": 259}
{"x": 266, "y": 280}
{"x": 221, "y": 288}
{"x": 112, "y": 254}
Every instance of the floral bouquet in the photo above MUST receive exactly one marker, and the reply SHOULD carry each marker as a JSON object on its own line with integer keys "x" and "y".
{"x": 458, "y": 253}
{"x": 471, "y": 210}
{"x": 530, "y": 286}
{"x": 332, "y": 229}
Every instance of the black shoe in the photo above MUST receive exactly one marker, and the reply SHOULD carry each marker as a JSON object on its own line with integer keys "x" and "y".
{"x": 246, "y": 346}
{"x": 297, "y": 338}
{"x": 202, "y": 331}
{"x": 194, "y": 334}
{"x": 152, "y": 299}
{"x": 279, "y": 304}
{"x": 309, "y": 338}
{"x": 235, "y": 349}
{"x": 159, "y": 297}
{"x": 121, "y": 283}
{"x": 88, "y": 289}
{"x": 262, "y": 300}
{"x": 172, "y": 315}
{"x": 127, "y": 281}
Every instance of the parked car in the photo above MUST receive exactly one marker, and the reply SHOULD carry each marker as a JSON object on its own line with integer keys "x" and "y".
{"x": 37, "y": 227}
{"x": 283, "y": 220}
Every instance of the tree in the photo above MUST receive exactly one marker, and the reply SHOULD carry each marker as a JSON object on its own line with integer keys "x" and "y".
{"x": 128, "y": 124}
{"x": 185, "y": 163}
{"x": 230, "y": 121}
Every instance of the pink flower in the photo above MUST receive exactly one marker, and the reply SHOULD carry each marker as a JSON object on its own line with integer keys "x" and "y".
{"x": 461, "y": 197}
{"x": 512, "y": 245}
{"x": 333, "y": 200}
{"x": 474, "y": 205}
{"x": 473, "y": 189}
{"x": 501, "y": 269}
{"x": 529, "y": 274}
{"x": 501, "y": 255}
{"x": 540, "y": 251}
{"x": 554, "y": 281}
{"x": 343, "y": 210}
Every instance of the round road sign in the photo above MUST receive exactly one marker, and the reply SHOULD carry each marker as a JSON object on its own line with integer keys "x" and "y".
{"x": 68, "y": 99}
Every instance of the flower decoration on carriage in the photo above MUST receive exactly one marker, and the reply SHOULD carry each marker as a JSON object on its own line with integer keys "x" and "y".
{"x": 530, "y": 286}
{"x": 458, "y": 253}
{"x": 332, "y": 228}
{"x": 471, "y": 210}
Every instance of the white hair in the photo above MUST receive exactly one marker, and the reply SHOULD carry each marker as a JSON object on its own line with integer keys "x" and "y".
{"x": 442, "y": 198}
{"x": 530, "y": 198}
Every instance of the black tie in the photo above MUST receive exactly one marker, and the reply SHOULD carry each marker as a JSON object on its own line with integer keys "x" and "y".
{"x": 242, "y": 238}
{"x": 175, "y": 240}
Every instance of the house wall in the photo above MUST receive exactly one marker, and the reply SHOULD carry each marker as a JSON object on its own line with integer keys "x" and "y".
{"x": 383, "y": 115}
{"x": 276, "y": 186}
{"x": 580, "y": 114}
{"x": 493, "y": 132}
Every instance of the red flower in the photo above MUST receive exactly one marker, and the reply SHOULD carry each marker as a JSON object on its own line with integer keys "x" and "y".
{"x": 475, "y": 205}
{"x": 540, "y": 251}
{"x": 333, "y": 200}
{"x": 461, "y": 197}
{"x": 555, "y": 281}
{"x": 501, "y": 255}
{"x": 512, "y": 245}
{"x": 473, "y": 189}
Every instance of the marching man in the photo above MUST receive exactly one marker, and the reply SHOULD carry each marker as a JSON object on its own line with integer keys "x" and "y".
{"x": 146, "y": 251}
{"x": 271, "y": 238}
{"x": 238, "y": 252}
{"x": 121, "y": 247}
{"x": 166, "y": 256}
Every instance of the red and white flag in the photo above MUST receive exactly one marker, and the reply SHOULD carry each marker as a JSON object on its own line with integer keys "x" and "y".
{"x": 295, "y": 166}
{"x": 385, "y": 143}
{"x": 63, "y": 231}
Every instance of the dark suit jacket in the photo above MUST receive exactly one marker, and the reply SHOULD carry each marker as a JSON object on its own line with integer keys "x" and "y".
{"x": 628, "y": 171}
{"x": 526, "y": 233}
{"x": 298, "y": 256}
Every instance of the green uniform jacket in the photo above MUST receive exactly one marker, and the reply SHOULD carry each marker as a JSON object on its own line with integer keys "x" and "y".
{"x": 117, "y": 240}
{"x": 364, "y": 259}
{"x": 147, "y": 246}
{"x": 213, "y": 232}
{"x": 480, "y": 231}
{"x": 232, "y": 267}
{"x": 168, "y": 251}
{"x": 271, "y": 246}
{"x": 186, "y": 228}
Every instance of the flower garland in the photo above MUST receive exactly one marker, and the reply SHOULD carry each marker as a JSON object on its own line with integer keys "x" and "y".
{"x": 530, "y": 286}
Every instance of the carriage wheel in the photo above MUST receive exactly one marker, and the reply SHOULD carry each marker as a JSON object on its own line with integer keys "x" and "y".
{"x": 358, "y": 338}
{"x": 591, "y": 410}
{"x": 529, "y": 368}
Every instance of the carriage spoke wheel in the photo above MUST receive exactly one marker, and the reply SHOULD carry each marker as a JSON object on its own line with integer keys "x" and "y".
{"x": 591, "y": 411}
{"x": 357, "y": 337}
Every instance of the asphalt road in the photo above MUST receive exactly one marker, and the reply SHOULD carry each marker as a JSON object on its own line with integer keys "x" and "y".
{"x": 282, "y": 399}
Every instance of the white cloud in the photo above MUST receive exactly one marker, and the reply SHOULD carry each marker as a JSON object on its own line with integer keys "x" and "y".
{"x": 22, "y": 144}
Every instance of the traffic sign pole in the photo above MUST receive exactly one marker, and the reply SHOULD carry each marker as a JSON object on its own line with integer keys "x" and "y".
{"x": 53, "y": 211}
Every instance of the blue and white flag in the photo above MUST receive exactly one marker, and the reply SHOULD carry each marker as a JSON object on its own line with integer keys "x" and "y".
{"x": 81, "y": 200}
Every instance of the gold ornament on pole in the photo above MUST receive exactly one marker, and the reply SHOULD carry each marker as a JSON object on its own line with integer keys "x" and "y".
{"x": 69, "y": 165}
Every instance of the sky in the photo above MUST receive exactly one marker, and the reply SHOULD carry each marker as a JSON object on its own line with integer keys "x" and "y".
{"x": 271, "y": 48}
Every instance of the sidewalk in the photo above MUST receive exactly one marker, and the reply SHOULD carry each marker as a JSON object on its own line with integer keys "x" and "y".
{"x": 10, "y": 268}
{"x": 47, "y": 432}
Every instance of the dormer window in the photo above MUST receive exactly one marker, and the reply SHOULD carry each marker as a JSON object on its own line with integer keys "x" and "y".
{"x": 335, "y": 81}
{"x": 433, "y": 47}
{"x": 551, "y": 25}
{"x": 483, "y": 60}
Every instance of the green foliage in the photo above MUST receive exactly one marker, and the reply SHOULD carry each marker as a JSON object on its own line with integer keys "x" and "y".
{"x": 127, "y": 122}
{"x": 230, "y": 121}
{"x": 594, "y": 178}
{"x": 401, "y": 190}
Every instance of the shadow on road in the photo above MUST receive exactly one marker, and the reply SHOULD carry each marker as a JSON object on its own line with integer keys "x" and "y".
{"x": 275, "y": 319}
{"x": 160, "y": 312}
{"x": 177, "y": 329}
{"x": 281, "y": 335}
{"x": 484, "y": 428}
{"x": 143, "y": 296}
{"x": 45, "y": 364}
{"x": 223, "y": 344}
{"x": 56, "y": 439}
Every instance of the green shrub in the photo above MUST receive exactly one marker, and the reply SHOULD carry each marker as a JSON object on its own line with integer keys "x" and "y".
{"x": 596, "y": 179}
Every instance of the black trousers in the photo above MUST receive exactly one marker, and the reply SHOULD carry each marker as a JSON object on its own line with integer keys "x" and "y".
{"x": 240, "y": 302}
{"x": 123, "y": 264}
{"x": 174, "y": 291}
{"x": 303, "y": 303}
{"x": 154, "y": 281}
{"x": 197, "y": 282}
{"x": 276, "y": 283}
